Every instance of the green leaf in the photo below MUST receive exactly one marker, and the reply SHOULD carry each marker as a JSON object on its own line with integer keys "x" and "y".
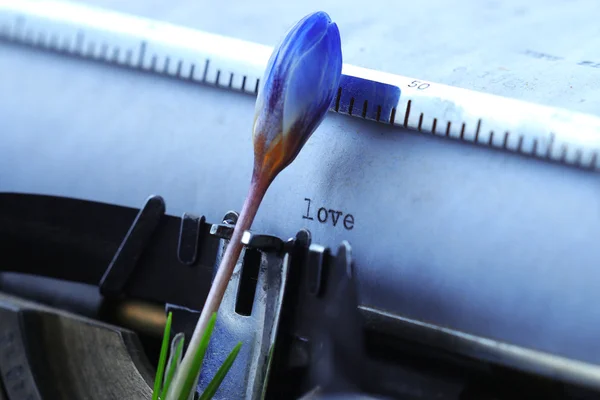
{"x": 174, "y": 361}
{"x": 163, "y": 358}
{"x": 191, "y": 376}
{"x": 266, "y": 381}
{"x": 214, "y": 384}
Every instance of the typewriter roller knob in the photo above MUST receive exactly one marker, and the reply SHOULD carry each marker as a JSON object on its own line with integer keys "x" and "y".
{"x": 50, "y": 354}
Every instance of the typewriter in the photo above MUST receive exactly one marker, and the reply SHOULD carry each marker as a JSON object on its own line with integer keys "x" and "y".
{"x": 383, "y": 264}
{"x": 86, "y": 286}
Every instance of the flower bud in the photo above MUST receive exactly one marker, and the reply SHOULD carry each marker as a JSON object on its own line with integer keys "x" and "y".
{"x": 297, "y": 89}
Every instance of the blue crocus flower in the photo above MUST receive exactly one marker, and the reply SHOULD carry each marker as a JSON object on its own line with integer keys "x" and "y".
{"x": 299, "y": 84}
{"x": 301, "y": 80}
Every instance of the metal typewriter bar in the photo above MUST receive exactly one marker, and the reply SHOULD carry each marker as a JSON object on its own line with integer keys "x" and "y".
{"x": 529, "y": 360}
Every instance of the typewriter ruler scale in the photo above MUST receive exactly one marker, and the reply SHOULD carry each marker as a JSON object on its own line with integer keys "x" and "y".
{"x": 200, "y": 57}
{"x": 498, "y": 244}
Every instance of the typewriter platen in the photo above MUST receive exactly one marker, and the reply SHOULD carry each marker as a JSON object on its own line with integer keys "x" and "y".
{"x": 85, "y": 287}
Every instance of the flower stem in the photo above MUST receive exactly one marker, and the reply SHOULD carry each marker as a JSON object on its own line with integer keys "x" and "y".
{"x": 258, "y": 188}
